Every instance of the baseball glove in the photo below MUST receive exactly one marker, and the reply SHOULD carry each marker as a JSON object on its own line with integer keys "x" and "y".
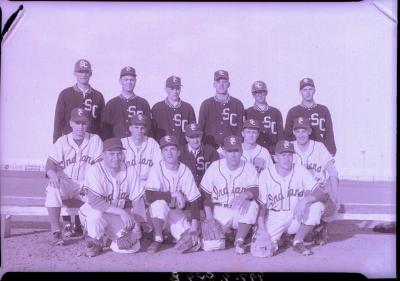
{"x": 188, "y": 243}
{"x": 213, "y": 236}
{"x": 261, "y": 244}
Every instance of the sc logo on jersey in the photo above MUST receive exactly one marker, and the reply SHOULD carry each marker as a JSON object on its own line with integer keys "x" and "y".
{"x": 316, "y": 121}
{"x": 227, "y": 116}
{"x": 268, "y": 124}
{"x": 179, "y": 122}
{"x": 132, "y": 111}
{"x": 89, "y": 106}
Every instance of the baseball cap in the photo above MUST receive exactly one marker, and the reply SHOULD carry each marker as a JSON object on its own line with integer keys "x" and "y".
{"x": 79, "y": 114}
{"x": 221, "y": 74}
{"x": 193, "y": 130}
{"x": 139, "y": 119}
{"x": 127, "y": 70}
{"x": 232, "y": 142}
{"x": 306, "y": 82}
{"x": 112, "y": 144}
{"x": 284, "y": 146}
{"x": 173, "y": 81}
{"x": 252, "y": 124}
{"x": 83, "y": 65}
{"x": 259, "y": 86}
{"x": 168, "y": 140}
{"x": 301, "y": 122}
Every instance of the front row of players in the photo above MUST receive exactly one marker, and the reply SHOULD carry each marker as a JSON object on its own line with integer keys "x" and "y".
{"x": 239, "y": 189}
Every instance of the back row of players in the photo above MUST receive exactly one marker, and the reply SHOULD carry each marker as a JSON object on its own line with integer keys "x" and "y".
{"x": 285, "y": 190}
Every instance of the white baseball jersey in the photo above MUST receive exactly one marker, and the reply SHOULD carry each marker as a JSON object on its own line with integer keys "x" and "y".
{"x": 282, "y": 193}
{"x": 74, "y": 159}
{"x": 163, "y": 179}
{"x": 223, "y": 184}
{"x": 143, "y": 157}
{"x": 258, "y": 156}
{"x": 114, "y": 190}
{"x": 314, "y": 159}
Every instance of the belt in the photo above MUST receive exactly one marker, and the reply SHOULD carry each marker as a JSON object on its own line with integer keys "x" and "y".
{"x": 223, "y": 205}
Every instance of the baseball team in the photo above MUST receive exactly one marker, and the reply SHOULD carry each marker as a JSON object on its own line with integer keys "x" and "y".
{"x": 136, "y": 170}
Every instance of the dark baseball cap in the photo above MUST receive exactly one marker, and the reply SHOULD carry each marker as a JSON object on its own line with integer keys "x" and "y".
{"x": 306, "y": 82}
{"x": 173, "y": 81}
{"x": 168, "y": 140}
{"x": 259, "y": 86}
{"x": 127, "y": 70}
{"x": 284, "y": 146}
{"x": 221, "y": 74}
{"x": 83, "y": 65}
{"x": 193, "y": 130}
{"x": 232, "y": 143}
{"x": 79, "y": 114}
{"x": 251, "y": 124}
{"x": 113, "y": 144}
{"x": 139, "y": 119}
{"x": 301, "y": 122}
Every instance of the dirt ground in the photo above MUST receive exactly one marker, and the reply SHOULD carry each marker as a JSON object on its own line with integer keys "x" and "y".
{"x": 353, "y": 247}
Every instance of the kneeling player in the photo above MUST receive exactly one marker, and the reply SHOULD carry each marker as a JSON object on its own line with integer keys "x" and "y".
{"x": 290, "y": 199}
{"x": 169, "y": 187}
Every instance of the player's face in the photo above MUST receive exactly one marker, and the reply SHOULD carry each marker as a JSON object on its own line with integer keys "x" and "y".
{"x": 170, "y": 154}
{"x": 250, "y": 135}
{"x": 260, "y": 97}
{"x": 79, "y": 129}
{"x": 137, "y": 131}
{"x": 221, "y": 86}
{"x": 173, "y": 93}
{"x": 284, "y": 160}
{"x": 82, "y": 77}
{"x": 113, "y": 158}
{"x": 233, "y": 156}
{"x": 128, "y": 83}
{"x": 307, "y": 93}
{"x": 302, "y": 135}
{"x": 194, "y": 142}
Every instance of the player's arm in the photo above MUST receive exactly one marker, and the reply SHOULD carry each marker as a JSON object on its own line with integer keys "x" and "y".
{"x": 106, "y": 126}
{"x": 333, "y": 180}
{"x": 203, "y": 116}
{"x": 147, "y": 113}
{"x": 51, "y": 172}
{"x": 288, "y": 134}
{"x": 279, "y": 126}
{"x": 59, "y": 118}
{"x": 329, "y": 135}
{"x": 99, "y": 115}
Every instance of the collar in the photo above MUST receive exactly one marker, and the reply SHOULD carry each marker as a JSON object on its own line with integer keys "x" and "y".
{"x": 224, "y": 101}
{"x": 256, "y": 107}
{"x": 171, "y": 105}
{"x": 127, "y": 99}
{"x": 191, "y": 150}
{"x": 79, "y": 90}
{"x": 308, "y": 107}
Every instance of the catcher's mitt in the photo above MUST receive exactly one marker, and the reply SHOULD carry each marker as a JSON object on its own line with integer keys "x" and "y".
{"x": 261, "y": 244}
{"x": 127, "y": 243}
{"x": 188, "y": 243}
{"x": 213, "y": 236}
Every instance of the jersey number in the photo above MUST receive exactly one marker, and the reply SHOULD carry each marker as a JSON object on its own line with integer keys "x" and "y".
{"x": 179, "y": 122}
{"x": 228, "y": 116}
{"x": 132, "y": 111}
{"x": 268, "y": 124}
{"x": 320, "y": 122}
{"x": 90, "y": 107}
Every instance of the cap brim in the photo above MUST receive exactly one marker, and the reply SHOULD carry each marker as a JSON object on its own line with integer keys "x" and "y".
{"x": 192, "y": 135}
{"x": 79, "y": 119}
{"x": 168, "y": 144}
{"x": 117, "y": 147}
{"x": 286, "y": 150}
{"x": 301, "y": 127}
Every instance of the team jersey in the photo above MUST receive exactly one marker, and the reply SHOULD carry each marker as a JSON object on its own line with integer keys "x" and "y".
{"x": 165, "y": 180}
{"x": 219, "y": 120}
{"x": 143, "y": 157}
{"x": 170, "y": 120}
{"x": 199, "y": 162}
{"x": 321, "y": 124}
{"x": 223, "y": 184}
{"x": 314, "y": 159}
{"x": 271, "y": 125}
{"x": 259, "y": 157}
{"x": 72, "y": 97}
{"x": 117, "y": 114}
{"x": 73, "y": 159}
{"x": 283, "y": 193}
{"x": 115, "y": 191}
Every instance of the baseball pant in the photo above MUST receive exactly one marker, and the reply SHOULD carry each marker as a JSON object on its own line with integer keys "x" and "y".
{"x": 230, "y": 218}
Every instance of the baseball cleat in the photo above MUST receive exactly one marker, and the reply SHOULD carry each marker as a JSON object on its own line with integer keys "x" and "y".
{"x": 240, "y": 248}
{"x": 93, "y": 250}
{"x": 321, "y": 237}
{"x": 77, "y": 230}
{"x": 56, "y": 239}
{"x": 68, "y": 230}
{"x": 154, "y": 247}
{"x": 301, "y": 249}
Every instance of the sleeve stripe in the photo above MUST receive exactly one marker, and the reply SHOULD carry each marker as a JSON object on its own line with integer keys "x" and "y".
{"x": 195, "y": 198}
{"x": 205, "y": 190}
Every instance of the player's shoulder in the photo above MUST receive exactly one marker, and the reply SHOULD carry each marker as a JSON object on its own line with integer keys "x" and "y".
{"x": 96, "y": 92}
{"x": 151, "y": 141}
{"x": 141, "y": 99}
{"x": 185, "y": 104}
{"x": 320, "y": 146}
{"x": 94, "y": 138}
{"x": 67, "y": 91}
{"x": 208, "y": 101}
{"x": 113, "y": 101}
{"x": 125, "y": 142}
{"x": 159, "y": 104}
{"x": 321, "y": 107}
{"x": 295, "y": 108}
{"x": 275, "y": 110}
{"x": 235, "y": 100}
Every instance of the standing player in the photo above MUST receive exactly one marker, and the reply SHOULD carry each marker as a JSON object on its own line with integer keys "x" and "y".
{"x": 290, "y": 195}
{"x": 112, "y": 190}
{"x": 119, "y": 110}
{"x": 80, "y": 95}
{"x": 319, "y": 115}
{"x": 171, "y": 115}
{"x": 222, "y": 114}
{"x": 66, "y": 169}
{"x": 169, "y": 188}
{"x": 314, "y": 156}
{"x": 229, "y": 187}
{"x": 254, "y": 153}
{"x": 195, "y": 155}
{"x": 269, "y": 117}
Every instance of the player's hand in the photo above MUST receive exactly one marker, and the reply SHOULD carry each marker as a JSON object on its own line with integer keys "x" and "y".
{"x": 127, "y": 220}
{"x": 180, "y": 199}
{"x": 299, "y": 210}
{"x": 239, "y": 201}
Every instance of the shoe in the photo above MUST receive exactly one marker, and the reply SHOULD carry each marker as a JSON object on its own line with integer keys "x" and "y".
{"x": 93, "y": 250}
{"x": 301, "y": 249}
{"x": 56, "y": 239}
{"x": 68, "y": 230}
{"x": 286, "y": 240}
{"x": 154, "y": 247}
{"x": 240, "y": 247}
{"x": 321, "y": 237}
{"x": 135, "y": 247}
{"x": 77, "y": 230}
{"x": 385, "y": 227}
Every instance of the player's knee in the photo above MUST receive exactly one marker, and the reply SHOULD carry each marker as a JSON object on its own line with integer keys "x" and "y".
{"x": 159, "y": 209}
{"x": 94, "y": 216}
{"x": 250, "y": 216}
{"x": 315, "y": 213}
{"x": 53, "y": 197}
